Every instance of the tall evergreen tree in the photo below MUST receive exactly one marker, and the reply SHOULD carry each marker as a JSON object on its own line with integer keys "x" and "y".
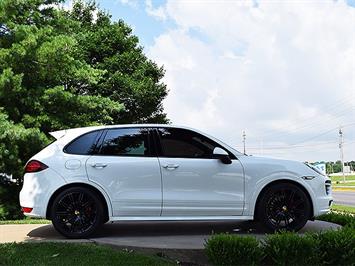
{"x": 61, "y": 69}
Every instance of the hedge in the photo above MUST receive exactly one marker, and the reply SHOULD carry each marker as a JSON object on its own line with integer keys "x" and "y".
{"x": 231, "y": 250}
{"x": 289, "y": 249}
{"x": 334, "y": 247}
{"x": 342, "y": 218}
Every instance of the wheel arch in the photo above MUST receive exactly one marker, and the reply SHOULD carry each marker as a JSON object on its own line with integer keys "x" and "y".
{"x": 82, "y": 185}
{"x": 282, "y": 181}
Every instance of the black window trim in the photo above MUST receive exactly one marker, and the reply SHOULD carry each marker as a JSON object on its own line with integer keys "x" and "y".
{"x": 151, "y": 144}
{"x": 97, "y": 137}
{"x": 154, "y": 144}
{"x": 160, "y": 147}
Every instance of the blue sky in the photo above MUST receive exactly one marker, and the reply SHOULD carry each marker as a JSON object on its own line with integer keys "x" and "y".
{"x": 283, "y": 71}
{"x": 145, "y": 27}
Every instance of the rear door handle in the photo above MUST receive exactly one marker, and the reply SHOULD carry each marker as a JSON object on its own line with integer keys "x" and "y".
{"x": 99, "y": 165}
{"x": 170, "y": 166}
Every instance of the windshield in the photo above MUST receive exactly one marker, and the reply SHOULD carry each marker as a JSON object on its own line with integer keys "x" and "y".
{"x": 314, "y": 168}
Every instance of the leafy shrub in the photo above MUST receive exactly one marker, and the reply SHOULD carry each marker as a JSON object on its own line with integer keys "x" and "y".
{"x": 288, "y": 248}
{"x": 227, "y": 249}
{"x": 9, "y": 202}
{"x": 336, "y": 247}
{"x": 343, "y": 218}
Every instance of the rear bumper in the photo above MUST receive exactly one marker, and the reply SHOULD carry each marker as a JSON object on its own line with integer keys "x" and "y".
{"x": 37, "y": 189}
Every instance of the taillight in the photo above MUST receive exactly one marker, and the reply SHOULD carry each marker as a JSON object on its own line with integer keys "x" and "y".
{"x": 26, "y": 209}
{"x": 34, "y": 166}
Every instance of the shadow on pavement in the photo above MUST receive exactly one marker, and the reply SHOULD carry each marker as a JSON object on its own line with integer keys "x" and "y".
{"x": 132, "y": 229}
{"x": 172, "y": 228}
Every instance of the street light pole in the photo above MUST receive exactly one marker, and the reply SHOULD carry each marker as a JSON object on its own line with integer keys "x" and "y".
{"x": 244, "y": 135}
{"x": 341, "y": 146}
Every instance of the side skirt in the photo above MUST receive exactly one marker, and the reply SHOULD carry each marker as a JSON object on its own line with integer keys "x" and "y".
{"x": 184, "y": 218}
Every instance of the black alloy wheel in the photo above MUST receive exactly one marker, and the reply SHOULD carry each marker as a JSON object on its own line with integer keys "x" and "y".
{"x": 77, "y": 212}
{"x": 284, "y": 207}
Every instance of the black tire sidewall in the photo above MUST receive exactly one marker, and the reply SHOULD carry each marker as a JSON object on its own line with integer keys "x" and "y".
{"x": 99, "y": 214}
{"x": 268, "y": 193}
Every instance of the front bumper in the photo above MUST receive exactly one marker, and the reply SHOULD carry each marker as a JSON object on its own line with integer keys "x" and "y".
{"x": 323, "y": 197}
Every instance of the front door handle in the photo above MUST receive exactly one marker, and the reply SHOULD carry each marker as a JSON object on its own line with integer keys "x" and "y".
{"x": 170, "y": 166}
{"x": 99, "y": 165}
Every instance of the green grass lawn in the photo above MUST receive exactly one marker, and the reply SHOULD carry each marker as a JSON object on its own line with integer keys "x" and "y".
{"x": 338, "y": 181}
{"x": 343, "y": 208}
{"x": 26, "y": 221}
{"x": 72, "y": 254}
{"x": 340, "y": 178}
{"x": 344, "y": 184}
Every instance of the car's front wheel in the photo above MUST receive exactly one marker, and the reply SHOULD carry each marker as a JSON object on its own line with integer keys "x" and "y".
{"x": 284, "y": 206}
{"x": 76, "y": 212}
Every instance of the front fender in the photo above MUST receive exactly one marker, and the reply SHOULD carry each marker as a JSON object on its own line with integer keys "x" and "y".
{"x": 253, "y": 188}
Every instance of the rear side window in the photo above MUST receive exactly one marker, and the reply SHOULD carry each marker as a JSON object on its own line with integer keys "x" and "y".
{"x": 83, "y": 145}
{"x": 126, "y": 142}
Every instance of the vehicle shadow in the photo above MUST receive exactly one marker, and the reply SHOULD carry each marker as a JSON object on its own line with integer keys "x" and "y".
{"x": 146, "y": 229}
{"x": 173, "y": 228}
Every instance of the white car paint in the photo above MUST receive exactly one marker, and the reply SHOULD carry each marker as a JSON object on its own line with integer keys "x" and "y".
{"x": 202, "y": 187}
{"x": 135, "y": 192}
{"x": 152, "y": 188}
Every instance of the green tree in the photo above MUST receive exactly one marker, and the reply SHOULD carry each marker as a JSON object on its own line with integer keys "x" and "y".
{"x": 61, "y": 69}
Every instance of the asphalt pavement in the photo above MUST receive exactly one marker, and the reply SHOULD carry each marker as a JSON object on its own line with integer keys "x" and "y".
{"x": 344, "y": 198}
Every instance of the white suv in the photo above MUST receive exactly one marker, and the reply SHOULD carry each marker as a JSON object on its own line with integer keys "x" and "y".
{"x": 93, "y": 175}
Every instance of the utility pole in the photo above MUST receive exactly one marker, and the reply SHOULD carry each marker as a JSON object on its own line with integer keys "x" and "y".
{"x": 244, "y": 135}
{"x": 341, "y": 146}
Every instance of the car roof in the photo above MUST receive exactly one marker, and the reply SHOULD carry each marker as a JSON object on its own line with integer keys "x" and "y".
{"x": 82, "y": 130}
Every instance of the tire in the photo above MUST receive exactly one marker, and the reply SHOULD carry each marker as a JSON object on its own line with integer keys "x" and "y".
{"x": 284, "y": 206}
{"x": 77, "y": 212}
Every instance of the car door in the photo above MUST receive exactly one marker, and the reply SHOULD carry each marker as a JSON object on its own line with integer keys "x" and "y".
{"x": 127, "y": 168}
{"x": 195, "y": 183}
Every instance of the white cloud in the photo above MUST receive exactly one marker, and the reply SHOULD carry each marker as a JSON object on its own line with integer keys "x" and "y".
{"x": 283, "y": 71}
{"x": 131, "y": 3}
{"x": 159, "y": 12}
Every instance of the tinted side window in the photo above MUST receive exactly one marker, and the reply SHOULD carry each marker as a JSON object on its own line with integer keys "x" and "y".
{"x": 126, "y": 142}
{"x": 84, "y": 144}
{"x": 185, "y": 143}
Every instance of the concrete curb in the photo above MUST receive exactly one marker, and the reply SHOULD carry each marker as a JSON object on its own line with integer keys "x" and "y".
{"x": 343, "y": 189}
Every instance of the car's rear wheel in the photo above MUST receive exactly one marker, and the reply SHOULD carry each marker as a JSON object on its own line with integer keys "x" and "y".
{"x": 77, "y": 212}
{"x": 284, "y": 206}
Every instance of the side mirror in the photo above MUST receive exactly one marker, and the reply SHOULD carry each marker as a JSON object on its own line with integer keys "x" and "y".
{"x": 221, "y": 154}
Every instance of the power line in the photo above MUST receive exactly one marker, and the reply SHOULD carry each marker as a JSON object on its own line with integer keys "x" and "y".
{"x": 312, "y": 124}
{"x": 335, "y": 115}
{"x": 295, "y": 147}
{"x": 304, "y": 140}
{"x": 286, "y": 151}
